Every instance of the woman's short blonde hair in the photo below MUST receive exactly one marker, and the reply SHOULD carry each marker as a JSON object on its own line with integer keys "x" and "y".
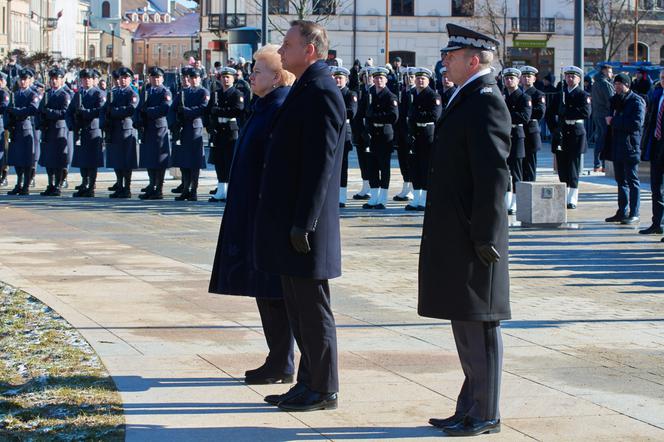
{"x": 271, "y": 57}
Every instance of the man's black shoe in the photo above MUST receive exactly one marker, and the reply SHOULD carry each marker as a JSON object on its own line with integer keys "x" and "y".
{"x": 124, "y": 193}
{"x": 114, "y": 187}
{"x": 213, "y": 191}
{"x": 410, "y": 208}
{"x": 178, "y": 189}
{"x": 15, "y": 191}
{"x": 48, "y": 192}
{"x": 294, "y": 391}
{"x": 630, "y": 220}
{"x": 79, "y": 187}
{"x": 571, "y": 206}
{"x": 182, "y": 197}
{"x": 55, "y": 192}
{"x": 146, "y": 188}
{"x": 661, "y": 240}
{"x": 652, "y": 230}
{"x": 368, "y": 206}
{"x": 473, "y": 427}
{"x": 310, "y": 401}
{"x": 379, "y": 206}
{"x": 618, "y": 217}
{"x": 155, "y": 196}
{"x": 447, "y": 422}
{"x": 400, "y": 198}
{"x": 262, "y": 379}
{"x": 421, "y": 208}
{"x": 342, "y": 205}
{"x": 215, "y": 200}
{"x": 366, "y": 196}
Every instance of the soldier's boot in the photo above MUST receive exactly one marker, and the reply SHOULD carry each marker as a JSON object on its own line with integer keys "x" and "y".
{"x": 220, "y": 194}
{"x": 49, "y": 187}
{"x": 15, "y": 191}
{"x": 382, "y": 199}
{"x": 415, "y": 202}
{"x": 118, "y": 181}
{"x": 193, "y": 192}
{"x": 363, "y": 194}
{"x": 19, "y": 182}
{"x": 25, "y": 188}
{"x": 423, "y": 201}
{"x": 406, "y": 193}
{"x": 186, "y": 183}
{"x": 126, "y": 184}
{"x": 151, "y": 183}
{"x": 92, "y": 182}
{"x": 373, "y": 201}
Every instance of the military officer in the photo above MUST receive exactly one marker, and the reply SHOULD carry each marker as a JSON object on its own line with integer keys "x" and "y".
{"x": 55, "y": 133}
{"x": 533, "y": 140}
{"x": 225, "y": 109}
{"x": 575, "y": 107}
{"x": 174, "y": 124}
{"x": 341, "y": 75}
{"x": 190, "y": 112}
{"x": 446, "y": 88}
{"x": 361, "y": 135}
{"x": 153, "y": 109}
{"x": 5, "y": 99}
{"x": 382, "y": 113}
{"x": 122, "y": 151}
{"x": 424, "y": 112}
{"x": 520, "y": 107}
{"x": 22, "y": 147}
{"x": 85, "y": 110}
{"x": 404, "y": 145}
{"x": 38, "y": 87}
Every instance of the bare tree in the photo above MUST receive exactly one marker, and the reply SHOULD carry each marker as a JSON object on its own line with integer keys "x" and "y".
{"x": 492, "y": 16}
{"x": 318, "y": 11}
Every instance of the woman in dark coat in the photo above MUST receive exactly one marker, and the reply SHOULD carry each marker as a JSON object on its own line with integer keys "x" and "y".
{"x": 234, "y": 272}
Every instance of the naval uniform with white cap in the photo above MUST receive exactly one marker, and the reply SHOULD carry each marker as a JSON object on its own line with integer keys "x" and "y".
{"x": 574, "y": 109}
{"x": 225, "y": 109}
{"x": 424, "y": 111}
{"x": 361, "y": 134}
{"x": 382, "y": 113}
{"x": 463, "y": 267}
{"x": 520, "y": 107}
{"x": 340, "y": 75}
{"x": 404, "y": 143}
{"x": 533, "y": 140}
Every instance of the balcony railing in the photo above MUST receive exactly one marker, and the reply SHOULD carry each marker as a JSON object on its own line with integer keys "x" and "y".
{"x": 221, "y": 22}
{"x": 534, "y": 25}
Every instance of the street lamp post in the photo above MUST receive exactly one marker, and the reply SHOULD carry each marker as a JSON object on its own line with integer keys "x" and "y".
{"x": 578, "y": 33}
{"x": 159, "y": 52}
{"x": 169, "y": 59}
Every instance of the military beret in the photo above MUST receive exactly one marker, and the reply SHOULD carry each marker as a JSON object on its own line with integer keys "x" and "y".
{"x": 573, "y": 70}
{"x": 26, "y": 73}
{"x": 86, "y": 73}
{"x": 156, "y": 72}
{"x": 623, "y": 78}
{"x": 511, "y": 72}
{"x": 460, "y": 38}
{"x": 528, "y": 70}
{"x": 378, "y": 71}
{"x": 422, "y": 72}
{"x": 125, "y": 72}
{"x": 340, "y": 70}
{"x": 56, "y": 72}
{"x": 227, "y": 71}
{"x": 193, "y": 72}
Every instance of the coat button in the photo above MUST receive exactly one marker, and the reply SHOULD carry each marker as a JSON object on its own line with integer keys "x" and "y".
{"x": 264, "y": 165}
{"x": 260, "y": 195}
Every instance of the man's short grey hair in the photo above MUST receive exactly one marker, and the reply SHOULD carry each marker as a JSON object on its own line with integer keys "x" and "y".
{"x": 314, "y": 34}
{"x": 485, "y": 57}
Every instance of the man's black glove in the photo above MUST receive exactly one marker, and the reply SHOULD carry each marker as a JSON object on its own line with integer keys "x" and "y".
{"x": 487, "y": 253}
{"x": 299, "y": 239}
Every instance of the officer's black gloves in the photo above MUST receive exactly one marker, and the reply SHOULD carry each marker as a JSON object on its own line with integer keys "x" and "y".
{"x": 299, "y": 239}
{"x": 487, "y": 253}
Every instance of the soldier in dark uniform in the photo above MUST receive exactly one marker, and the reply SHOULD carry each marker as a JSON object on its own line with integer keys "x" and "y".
{"x": 5, "y": 98}
{"x": 244, "y": 87}
{"x": 574, "y": 109}
{"x": 122, "y": 151}
{"x": 85, "y": 110}
{"x": 12, "y": 69}
{"x": 22, "y": 147}
{"x": 38, "y": 87}
{"x": 341, "y": 75}
{"x": 154, "y": 106}
{"x": 174, "y": 124}
{"x": 382, "y": 113}
{"x": 520, "y": 108}
{"x": 403, "y": 142}
{"x": 424, "y": 112}
{"x": 533, "y": 140}
{"x": 446, "y": 88}
{"x": 190, "y": 113}
{"x": 55, "y": 133}
{"x": 361, "y": 135}
{"x": 70, "y": 137}
{"x": 225, "y": 109}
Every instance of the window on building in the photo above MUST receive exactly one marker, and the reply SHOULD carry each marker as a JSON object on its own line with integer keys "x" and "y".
{"x": 134, "y": 17}
{"x": 106, "y": 10}
{"x": 92, "y": 53}
{"x": 324, "y": 7}
{"x": 529, "y": 15}
{"x": 139, "y": 49}
{"x": 167, "y": 18}
{"x": 278, "y": 7}
{"x": 644, "y": 52}
{"x": 403, "y": 7}
{"x": 157, "y": 18}
{"x": 146, "y": 18}
{"x": 109, "y": 51}
{"x": 463, "y": 8}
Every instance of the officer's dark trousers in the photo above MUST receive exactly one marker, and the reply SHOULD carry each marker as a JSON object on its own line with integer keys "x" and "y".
{"x": 223, "y": 170}
{"x": 530, "y": 165}
{"x": 23, "y": 177}
{"x": 312, "y": 322}
{"x": 516, "y": 171}
{"x": 480, "y": 348}
{"x": 657, "y": 188}
{"x": 89, "y": 177}
{"x": 54, "y": 176}
{"x": 599, "y": 123}
{"x": 278, "y": 335}
{"x": 344, "y": 166}
{"x": 363, "y": 161}
{"x": 190, "y": 180}
{"x": 157, "y": 179}
{"x": 421, "y": 159}
{"x": 569, "y": 164}
{"x": 627, "y": 178}
{"x": 381, "y": 154}
{"x": 403, "y": 154}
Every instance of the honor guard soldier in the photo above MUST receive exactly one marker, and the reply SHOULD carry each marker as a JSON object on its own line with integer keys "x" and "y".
{"x": 225, "y": 109}
{"x": 382, "y": 113}
{"x": 38, "y": 87}
{"x": 174, "y": 123}
{"x": 404, "y": 145}
{"x": 424, "y": 112}
{"x": 21, "y": 115}
{"x": 575, "y": 107}
{"x": 341, "y": 75}
{"x": 153, "y": 109}
{"x": 533, "y": 140}
{"x": 446, "y": 89}
{"x": 5, "y": 99}
{"x": 122, "y": 151}
{"x": 190, "y": 113}
{"x": 85, "y": 110}
{"x": 54, "y": 131}
{"x": 520, "y": 108}
{"x": 361, "y": 134}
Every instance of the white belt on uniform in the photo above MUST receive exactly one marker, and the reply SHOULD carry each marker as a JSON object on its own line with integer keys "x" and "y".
{"x": 431, "y": 123}
{"x": 378, "y": 125}
{"x": 226, "y": 120}
{"x": 348, "y": 121}
{"x": 517, "y": 125}
{"x": 571, "y": 122}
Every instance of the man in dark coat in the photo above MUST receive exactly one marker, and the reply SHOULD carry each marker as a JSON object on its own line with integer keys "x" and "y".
{"x": 628, "y": 111}
{"x": 601, "y": 94}
{"x": 297, "y": 218}
{"x": 340, "y": 75}
{"x": 533, "y": 140}
{"x": 652, "y": 150}
{"x": 463, "y": 268}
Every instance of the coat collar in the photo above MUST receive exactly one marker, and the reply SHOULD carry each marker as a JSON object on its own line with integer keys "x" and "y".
{"x": 485, "y": 81}
{"x": 317, "y": 70}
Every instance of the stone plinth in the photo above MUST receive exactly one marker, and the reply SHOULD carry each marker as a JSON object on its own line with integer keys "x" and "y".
{"x": 541, "y": 204}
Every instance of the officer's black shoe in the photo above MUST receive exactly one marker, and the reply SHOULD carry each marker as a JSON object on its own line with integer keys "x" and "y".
{"x": 79, "y": 193}
{"x": 124, "y": 194}
{"x": 366, "y": 196}
{"x": 410, "y": 208}
{"x": 56, "y": 191}
{"x": 192, "y": 196}
{"x": 47, "y": 192}
{"x": 652, "y": 230}
{"x": 630, "y": 220}
{"x": 447, "y": 422}
{"x": 79, "y": 187}
{"x": 368, "y": 206}
{"x": 24, "y": 192}
{"x": 155, "y": 196}
{"x": 379, "y": 206}
{"x": 266, "y": 378}
{"x": 473, "y": 427}
{"x": 571, "y": 206}
{"x": 215, "y": 200}
{"x": 661, "y": 240}
{"x": 146, "y": 188}
{"x": 295, "y": 390}
{"x": 342, "y": 205}
{"x": 310, "y": 401}
{"x": 617, "y": 218}
{"x": 89, "y": 193}
{"x": 114, "y": 188}
{"x": 400, "y": 198}
{"x": 114, "y": 194}
{"x": 182, "y": 197}
{"x": 178, "y": 189}
{"x": 510, "y": 211}
{"x": 15, "y": 191}
{"x": 420, "y": 208}
{"x": 213, "y": 191}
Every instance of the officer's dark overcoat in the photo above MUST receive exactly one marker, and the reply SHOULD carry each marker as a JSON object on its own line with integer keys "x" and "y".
{"x": 465, "y": 205}
{"x": 85, "y": 113}
{"x": 300, "y": 184}
{"x": 191, "y": 152}
{"x": 22, "y": 148}
{"x": 55, "y": 133}
{"x": 122, "y": 152}
{"x": 154, "y": 107}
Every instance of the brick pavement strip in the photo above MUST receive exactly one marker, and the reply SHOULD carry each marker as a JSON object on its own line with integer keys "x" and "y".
{"x": 584, "y": 354}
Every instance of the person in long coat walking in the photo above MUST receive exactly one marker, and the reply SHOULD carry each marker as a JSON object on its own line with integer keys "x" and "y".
{"x": 234, "y": 271}
{"x": 463, "y": 267}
